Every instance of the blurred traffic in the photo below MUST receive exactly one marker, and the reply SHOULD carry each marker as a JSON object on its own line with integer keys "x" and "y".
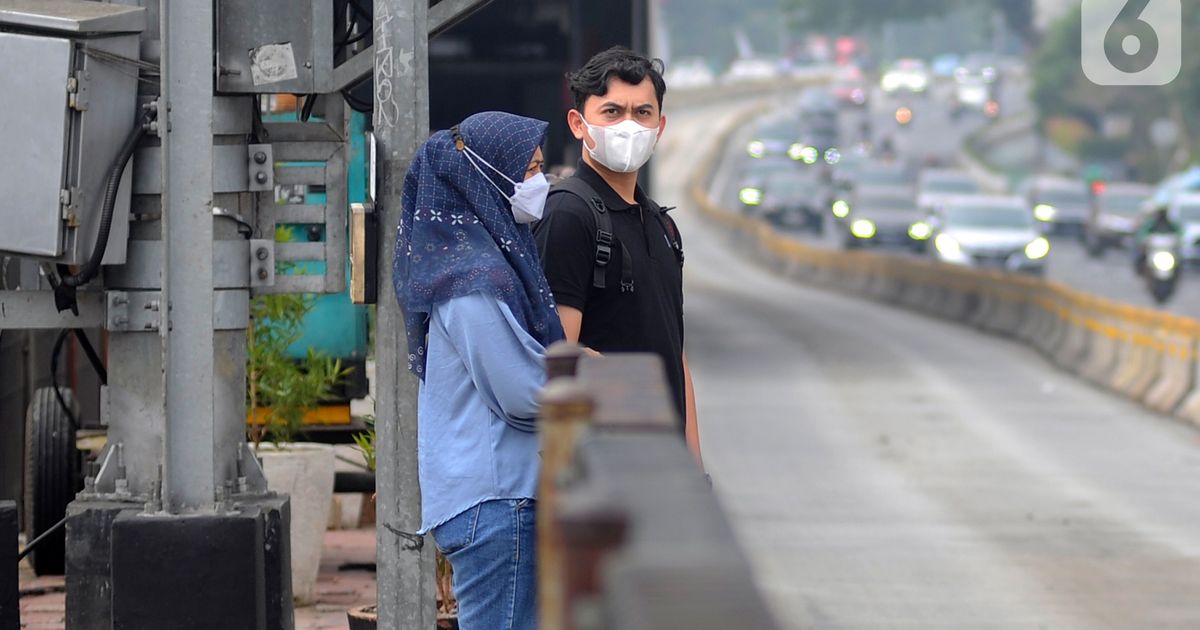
{"x": 898, "y": 155}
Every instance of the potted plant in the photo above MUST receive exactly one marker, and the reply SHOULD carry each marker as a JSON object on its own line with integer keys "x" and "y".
{"x": 281, "y": 391}
{"x": 366, "y": 617}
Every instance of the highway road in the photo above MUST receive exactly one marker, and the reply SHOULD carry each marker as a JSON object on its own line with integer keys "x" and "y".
{"x": 935, "y": 134}
{"x": 886, "y": 470}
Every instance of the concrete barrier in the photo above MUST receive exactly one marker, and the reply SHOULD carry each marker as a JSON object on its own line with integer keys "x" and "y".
{"x": 1178, "y": 367}
{"x": 1101, "y": 360}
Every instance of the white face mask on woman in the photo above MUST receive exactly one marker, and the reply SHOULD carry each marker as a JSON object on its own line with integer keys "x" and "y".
{"x": 529, "y": 197}
{"x": 624, "y": 147}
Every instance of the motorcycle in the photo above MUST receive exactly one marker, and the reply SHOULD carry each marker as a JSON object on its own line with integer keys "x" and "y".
{"x": 1161, "y": 267}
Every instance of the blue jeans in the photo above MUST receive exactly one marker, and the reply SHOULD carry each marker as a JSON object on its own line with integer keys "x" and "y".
{"x": 491, "y": 548}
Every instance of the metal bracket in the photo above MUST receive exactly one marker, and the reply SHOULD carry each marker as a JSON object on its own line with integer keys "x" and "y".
{"x": 262, "y": 262}
{"x": 251, "y": 478}
{"x": 261, "y": 168}
{"x": 132, "y": 311}
{"x": 77, "y": 91}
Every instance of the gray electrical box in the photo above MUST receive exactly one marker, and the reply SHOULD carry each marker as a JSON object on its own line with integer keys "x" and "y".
{"x": 68, "y": 99}
{"x": 274, "y": 46}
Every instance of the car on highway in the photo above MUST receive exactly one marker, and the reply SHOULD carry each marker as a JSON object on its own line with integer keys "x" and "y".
{"x": 989, "y": 231}
{"x": 774, "y": 137}
{"x": 936, "y": 185}
{"x": 1113, "y": 219}
{"x": 884, "y": 216}
{"x": 982, "y": 66}
{"x": 796, "y": 199}
{"x": 943, "y": 66}
{"x": 974, "y": 94}
{"x": 1062, "y": 205}
{"x": 1182, "y": 182}
{"x": 1184, "y": 212}
{"x": 753, "y": 180}
{"x": 865, "y": 173}
{"x": 906, "y": 75}
{"x": 848, "y": 87}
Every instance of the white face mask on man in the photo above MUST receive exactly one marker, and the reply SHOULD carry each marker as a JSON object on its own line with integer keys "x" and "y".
{"x": 529, "y": 197}
{"x": 624, "y": 147}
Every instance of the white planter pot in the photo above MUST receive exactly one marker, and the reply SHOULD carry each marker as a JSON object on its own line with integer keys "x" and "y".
{"x": 305, "y": 472}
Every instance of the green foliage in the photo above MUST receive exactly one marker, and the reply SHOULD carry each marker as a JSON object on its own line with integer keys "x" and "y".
{"x": 284, "y": 389}
{"x": 365, "y": 442}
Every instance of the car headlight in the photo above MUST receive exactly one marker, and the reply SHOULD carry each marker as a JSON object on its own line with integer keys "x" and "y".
{"x": 918, "y": 83}
{"x": 832, "y": 156}
{"x": 1163, "y": 261}
{"x": 947, "y": 246}
{"x": 750, "y": 196}
{"x": 920, "y": 231}
{"x": 1037, "y": 249}
{"x": 810, "y": 155}
{"x": 756, "y": 149}
{"x": 841, "y": 209}
{"x": 863, "y": 228}
{"x": 796, "y": 151}
{"x": 1044, "y": 212}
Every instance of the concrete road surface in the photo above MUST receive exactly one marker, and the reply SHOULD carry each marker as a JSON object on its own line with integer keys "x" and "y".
{"x": 884, "y": 470}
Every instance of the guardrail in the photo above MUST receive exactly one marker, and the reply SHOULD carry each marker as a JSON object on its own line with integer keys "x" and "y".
{"x": 630, "y": 534}
{"x": 1144, "y": 354}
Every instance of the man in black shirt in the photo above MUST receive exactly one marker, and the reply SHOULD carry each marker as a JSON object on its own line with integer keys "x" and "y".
{"x": 625, "y": 295}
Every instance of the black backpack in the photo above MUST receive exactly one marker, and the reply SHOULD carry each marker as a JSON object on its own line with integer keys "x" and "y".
{"x": 604, "y": 233}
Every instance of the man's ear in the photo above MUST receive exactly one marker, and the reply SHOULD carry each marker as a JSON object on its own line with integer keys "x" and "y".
{"x": 578, "y": 128}
{"x": 662, "y": 125}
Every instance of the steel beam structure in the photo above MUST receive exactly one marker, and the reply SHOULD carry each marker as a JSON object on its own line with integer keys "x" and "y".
{"x": 401, "y": 121}
{"x": 191, "y": 459}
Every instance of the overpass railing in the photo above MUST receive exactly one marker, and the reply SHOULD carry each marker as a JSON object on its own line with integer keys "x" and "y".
{"x": 630, "y": 534}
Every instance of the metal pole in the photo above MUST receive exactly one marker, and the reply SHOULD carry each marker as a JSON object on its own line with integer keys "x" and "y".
{"x": 191, "y": 457}
{"x": 401, "y": 121}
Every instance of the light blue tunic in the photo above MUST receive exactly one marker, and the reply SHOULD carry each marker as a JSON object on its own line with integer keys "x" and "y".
{"x": 476, "y": 437}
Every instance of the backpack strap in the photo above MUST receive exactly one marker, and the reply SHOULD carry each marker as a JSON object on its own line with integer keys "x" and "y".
{"x": 672, "y": 232}
{"x": 604, "y": 234}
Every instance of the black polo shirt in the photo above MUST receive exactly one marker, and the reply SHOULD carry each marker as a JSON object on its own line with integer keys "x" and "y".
{"x": 647, "y": 319}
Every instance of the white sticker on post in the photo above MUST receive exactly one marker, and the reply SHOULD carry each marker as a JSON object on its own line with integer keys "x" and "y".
{"x": 272, "y": 63}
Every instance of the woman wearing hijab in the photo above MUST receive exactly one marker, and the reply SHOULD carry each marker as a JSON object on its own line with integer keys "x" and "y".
{"x": 479, "y": 314}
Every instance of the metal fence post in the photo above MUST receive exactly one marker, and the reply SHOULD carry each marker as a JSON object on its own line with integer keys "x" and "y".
{"x": 566, "y": 410}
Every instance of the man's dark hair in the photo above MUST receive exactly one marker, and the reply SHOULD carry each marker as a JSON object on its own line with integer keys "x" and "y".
{"x": 618, "y": 61}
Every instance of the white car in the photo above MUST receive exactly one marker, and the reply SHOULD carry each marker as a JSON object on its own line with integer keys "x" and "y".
{"x": 1060, "y": 204}
{"x": 936, "y": 185}
{"x": 989, "y": 231}
{"x": 909, "y": 75}
{"x": 1184, "y": 211}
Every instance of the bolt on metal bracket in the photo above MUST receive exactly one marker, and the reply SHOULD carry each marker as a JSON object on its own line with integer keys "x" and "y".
{"x": 260, "y": 167}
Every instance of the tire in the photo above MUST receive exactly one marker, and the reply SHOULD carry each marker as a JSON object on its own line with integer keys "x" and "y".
{"x": 51, "y": 476}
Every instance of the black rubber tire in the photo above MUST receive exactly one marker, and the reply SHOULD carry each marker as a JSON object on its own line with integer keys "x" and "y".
{"x": 51, "y": 476}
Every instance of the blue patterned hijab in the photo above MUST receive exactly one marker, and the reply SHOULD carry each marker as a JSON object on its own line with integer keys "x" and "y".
{"x": 457, "y": 234}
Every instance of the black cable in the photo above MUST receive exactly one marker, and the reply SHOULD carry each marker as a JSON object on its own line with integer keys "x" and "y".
{"x": 92, "y": 355}
{"x": 37, "y": 541}
{"x": 92, "y": 267}
{"x": 62, "y": 402}
{"x": 310, "y": 101}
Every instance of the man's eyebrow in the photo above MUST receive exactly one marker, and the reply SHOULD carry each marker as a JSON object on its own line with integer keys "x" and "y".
{"x": 622, "y": 106}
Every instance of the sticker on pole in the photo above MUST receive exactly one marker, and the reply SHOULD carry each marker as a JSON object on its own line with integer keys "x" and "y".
{"x": 272, "y": 63}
